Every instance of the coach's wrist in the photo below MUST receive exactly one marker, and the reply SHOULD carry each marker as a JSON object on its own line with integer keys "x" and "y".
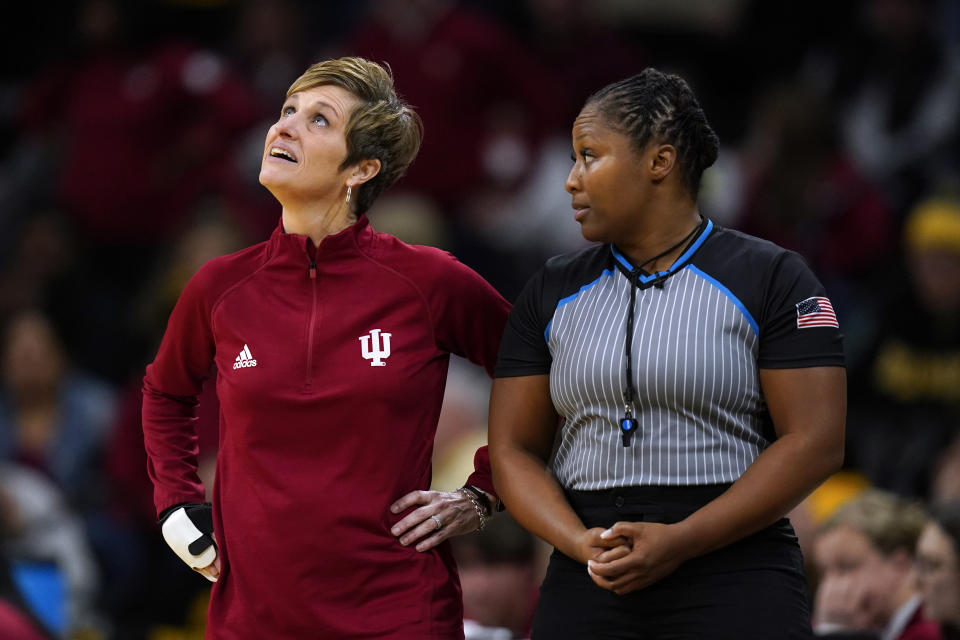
{"x": 480, "y": 503}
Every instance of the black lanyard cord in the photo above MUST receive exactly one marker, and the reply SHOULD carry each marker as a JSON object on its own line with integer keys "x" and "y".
{"x": 628, "y": 425}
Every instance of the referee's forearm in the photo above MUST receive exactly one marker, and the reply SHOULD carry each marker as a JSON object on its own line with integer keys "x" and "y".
{"x": 779, "y": 479}
{"x": 534, "y": 499}
{"x": 808, "y": 407}
{"x": 523, "y": 424}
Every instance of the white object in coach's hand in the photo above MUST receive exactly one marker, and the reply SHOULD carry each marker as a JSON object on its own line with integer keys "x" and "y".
{"x": 182, "y": 535}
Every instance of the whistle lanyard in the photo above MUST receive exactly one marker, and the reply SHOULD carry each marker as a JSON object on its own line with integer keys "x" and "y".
{"x": 628, "y": 424}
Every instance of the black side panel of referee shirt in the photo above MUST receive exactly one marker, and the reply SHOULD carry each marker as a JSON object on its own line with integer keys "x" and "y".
{"x": 770, "y": 281}
{"x": 523, "y": 349}
{"x": 727, "y": 309}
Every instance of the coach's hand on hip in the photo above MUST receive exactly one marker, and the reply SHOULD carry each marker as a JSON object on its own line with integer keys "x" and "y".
{"x": 188, "y": 530}
{"x": 436, "y": 516}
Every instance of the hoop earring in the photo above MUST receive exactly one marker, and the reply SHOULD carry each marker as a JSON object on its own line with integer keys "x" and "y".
{"x": 348, "y": 195}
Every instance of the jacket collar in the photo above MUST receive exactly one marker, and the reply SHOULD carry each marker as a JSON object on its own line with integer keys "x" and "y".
{"x": 358, "y": 237}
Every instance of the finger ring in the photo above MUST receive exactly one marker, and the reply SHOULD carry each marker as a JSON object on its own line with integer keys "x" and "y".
{"x": 437, "y": 520}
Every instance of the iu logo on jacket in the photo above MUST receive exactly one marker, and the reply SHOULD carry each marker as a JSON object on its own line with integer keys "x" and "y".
{"x": 375, "y": 347}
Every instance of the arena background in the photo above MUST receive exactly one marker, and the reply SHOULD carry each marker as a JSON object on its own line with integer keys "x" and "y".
{"x": 130, "y": 142}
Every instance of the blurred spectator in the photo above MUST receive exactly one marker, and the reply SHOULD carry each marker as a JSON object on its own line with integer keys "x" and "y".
{"x": 905, "y": 397}
{"x": 899, "y": 84}
{"x": 16, "y": 621}
{"x": 125, "y": 183}
{"x": 570, "y": 38}
{"x": 808, "y": 516}
{"x": 41, "y": 255}
{"x": 500, "y": 571}
{"x": 864, "y": 554}
{"x": 15, "y": 626}
{"x": 484, "y": 99}
{"x": 269, "y": 47}
{"x": 938, "y": 568}
{"x": 111, "y": 105}
{"x": 945, "y": 475}
{"x": 717, "y": 16}
{"x": 519, "y": 228}
{"x": 39, "y": 528}
{"x": 519, "y": 224}
{"x": 46, "y": 269}
{"x": 57, "y": 419}
{"x": 412, "y": 217}
{"x": 803, "y": 192}
{"x": 52, "y": 417}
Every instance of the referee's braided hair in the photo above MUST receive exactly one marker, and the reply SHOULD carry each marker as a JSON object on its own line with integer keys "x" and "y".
{"x": 661, "y": 107}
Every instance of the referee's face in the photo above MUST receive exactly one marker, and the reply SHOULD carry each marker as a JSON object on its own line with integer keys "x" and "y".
{"x": 606, "y": 180}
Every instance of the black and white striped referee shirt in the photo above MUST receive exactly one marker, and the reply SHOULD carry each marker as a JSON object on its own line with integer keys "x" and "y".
{"x": 729, "y": 306}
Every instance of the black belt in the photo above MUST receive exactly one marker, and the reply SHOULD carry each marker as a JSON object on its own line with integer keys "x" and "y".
{"x": 644, "y": 504}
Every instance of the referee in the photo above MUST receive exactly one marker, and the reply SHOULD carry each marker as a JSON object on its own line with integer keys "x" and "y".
{"x": 696, "y": 374}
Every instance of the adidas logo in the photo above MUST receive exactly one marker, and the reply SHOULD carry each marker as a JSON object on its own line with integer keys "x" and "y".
{"x": 245, "y": 359}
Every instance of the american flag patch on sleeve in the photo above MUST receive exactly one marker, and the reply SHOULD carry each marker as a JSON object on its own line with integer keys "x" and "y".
{"x": 816, "y": 312}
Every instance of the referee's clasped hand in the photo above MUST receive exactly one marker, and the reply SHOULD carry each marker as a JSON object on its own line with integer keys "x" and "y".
{"x": 653, "y": 553}
{"x": 436, "y": 516}
{"x": 591, "y": 546}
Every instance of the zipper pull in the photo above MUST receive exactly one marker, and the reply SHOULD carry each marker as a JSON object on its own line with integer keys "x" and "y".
{"x": 313, "y": 269}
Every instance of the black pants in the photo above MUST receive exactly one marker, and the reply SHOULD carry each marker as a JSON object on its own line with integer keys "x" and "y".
{"x": 754, "y": 589}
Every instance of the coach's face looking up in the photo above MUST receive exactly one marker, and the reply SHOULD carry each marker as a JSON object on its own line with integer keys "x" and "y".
{"x": 303, "y": 160}
{"x": 341, "y": 138}
{"x": 307, "y": 144}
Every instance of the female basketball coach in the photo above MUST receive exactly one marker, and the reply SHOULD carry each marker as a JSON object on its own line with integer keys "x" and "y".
{"x": 699, "y": 376}
{"x": 331, "y": 344}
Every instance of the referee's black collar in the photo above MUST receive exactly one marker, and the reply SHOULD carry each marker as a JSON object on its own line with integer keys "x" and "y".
{"x": 644, "y": 279}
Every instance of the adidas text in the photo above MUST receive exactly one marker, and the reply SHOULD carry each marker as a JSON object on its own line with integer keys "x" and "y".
{"x": 245, "y": 359}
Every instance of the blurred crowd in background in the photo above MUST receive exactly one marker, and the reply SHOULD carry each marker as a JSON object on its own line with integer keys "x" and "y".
{"x": 131, "y": 135}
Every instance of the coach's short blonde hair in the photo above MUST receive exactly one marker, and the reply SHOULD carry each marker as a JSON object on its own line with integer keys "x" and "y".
{"x": 890, "y": 522}
{"x": 382, "y": 126}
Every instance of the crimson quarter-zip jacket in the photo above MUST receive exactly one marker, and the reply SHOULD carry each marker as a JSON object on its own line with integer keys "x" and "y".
{"x": 331, "y": 366}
